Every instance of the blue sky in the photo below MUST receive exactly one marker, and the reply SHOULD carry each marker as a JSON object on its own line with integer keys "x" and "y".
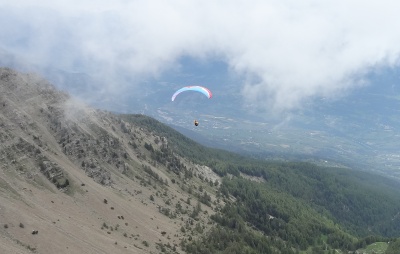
{"x": 282, "y": 53}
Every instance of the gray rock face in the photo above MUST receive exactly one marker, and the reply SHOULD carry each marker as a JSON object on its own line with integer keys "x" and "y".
{"x": 54, "y": 174}
{"x": 52, "y": 121}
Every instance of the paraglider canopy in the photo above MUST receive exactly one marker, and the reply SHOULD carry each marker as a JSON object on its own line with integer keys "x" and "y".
{"x": 200, "y": 89}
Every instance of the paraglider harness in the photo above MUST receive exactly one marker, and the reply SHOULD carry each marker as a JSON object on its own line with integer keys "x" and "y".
{"x": 196, "y": 123}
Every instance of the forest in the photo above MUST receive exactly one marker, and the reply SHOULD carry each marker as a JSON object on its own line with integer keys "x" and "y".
{"x": 295, "y": 206}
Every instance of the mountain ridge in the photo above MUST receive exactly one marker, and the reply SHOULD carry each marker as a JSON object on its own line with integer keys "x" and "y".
{"x": 97, "y": 182}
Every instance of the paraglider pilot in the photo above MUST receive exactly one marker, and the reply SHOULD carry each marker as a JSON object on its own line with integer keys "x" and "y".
{"x": 196, "y": 123}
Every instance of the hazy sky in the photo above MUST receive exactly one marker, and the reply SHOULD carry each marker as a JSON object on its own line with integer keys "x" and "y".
{"x": 286, "y": 51}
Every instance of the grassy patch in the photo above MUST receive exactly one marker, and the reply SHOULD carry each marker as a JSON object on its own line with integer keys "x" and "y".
{"x": 375, "y": 248}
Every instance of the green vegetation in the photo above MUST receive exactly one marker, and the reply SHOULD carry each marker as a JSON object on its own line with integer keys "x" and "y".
{"x": 263, "y": 220}
{"x": 299, "y": 206}
{"x": 394, "y": 247}
{"x": 375, "y": 248}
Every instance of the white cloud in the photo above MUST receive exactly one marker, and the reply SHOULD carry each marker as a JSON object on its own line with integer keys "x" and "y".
{"x": 289, "y": 51}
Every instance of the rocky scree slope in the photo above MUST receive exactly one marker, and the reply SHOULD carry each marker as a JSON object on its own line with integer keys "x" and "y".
{"x": 89, "y": 182}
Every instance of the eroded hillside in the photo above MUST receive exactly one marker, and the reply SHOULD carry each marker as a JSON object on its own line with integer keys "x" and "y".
{"x": 89, "y": 182}
{"x": 74, "y": 179}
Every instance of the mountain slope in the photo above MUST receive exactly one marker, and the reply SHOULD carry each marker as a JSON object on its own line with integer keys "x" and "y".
{"x": 90, "y": 181}
{"x": 362, "y": 203}
{"x": 81, "y": 177}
